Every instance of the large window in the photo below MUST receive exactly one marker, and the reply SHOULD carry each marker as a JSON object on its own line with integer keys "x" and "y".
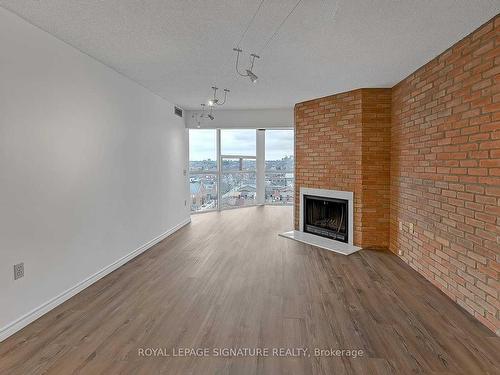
{"x": 238, "y": 180}
{"x": 203, "y": 169}
{"x": 279, "y": 166}
{"x": 231, "y": 168}
{"x": 238, "y": 142}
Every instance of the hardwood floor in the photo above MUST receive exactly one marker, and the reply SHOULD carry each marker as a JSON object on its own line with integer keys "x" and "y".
{"x": 228, "y": 281}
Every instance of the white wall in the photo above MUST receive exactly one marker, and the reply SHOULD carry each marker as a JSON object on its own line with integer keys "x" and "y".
{"x": 244, "y": 118}
{"x": 91, "y": 168}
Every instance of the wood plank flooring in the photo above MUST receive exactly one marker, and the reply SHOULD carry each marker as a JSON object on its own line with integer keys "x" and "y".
{"x": 228, "y": 280}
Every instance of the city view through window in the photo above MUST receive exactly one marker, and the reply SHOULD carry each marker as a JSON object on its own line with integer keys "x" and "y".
{"x": 235, "y": 181}
{"x": 279, "y": 166}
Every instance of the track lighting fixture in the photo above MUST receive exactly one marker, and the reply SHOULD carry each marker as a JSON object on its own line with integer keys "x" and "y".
{"x": 252, "y": 76}
{"x": 198, "y": 119}
{"x": 215, "y": 100}
{"x": 249, "y": 72}
{"x": 226, "y": 91}
{"x": 212, "y": 102}
{"x": 210, "y": 115}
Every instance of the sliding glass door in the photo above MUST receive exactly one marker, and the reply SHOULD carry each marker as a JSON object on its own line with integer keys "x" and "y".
{"x": 232, "y": 168}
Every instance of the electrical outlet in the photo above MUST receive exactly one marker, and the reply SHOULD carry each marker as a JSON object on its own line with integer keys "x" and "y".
{"x": 18, "y": 271}
{"x": 412, "y": 230}
{"x": 400, "y": 225}
{"x": 185, "y": 202}
{"x": 184, "y": 172}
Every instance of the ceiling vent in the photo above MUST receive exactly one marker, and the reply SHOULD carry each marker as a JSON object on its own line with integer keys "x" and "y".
{"x": 178, "y": 111}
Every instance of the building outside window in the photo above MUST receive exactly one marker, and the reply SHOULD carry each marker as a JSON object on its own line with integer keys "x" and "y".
{"x": 203, "y": 169}
{"x": 225, "y": 170}
{"x": 279, "y": 166}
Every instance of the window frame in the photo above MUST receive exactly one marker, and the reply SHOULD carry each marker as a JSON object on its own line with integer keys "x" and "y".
{"x": 242, "y": 157}
{"x": 260, "y": 170}
{"x": 276, "y": 172}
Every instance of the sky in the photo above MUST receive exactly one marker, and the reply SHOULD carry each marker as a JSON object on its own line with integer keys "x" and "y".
{"x": 202, "y": 143}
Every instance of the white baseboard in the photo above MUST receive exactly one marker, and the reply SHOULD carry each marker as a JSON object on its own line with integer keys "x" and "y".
{"x": 44, "y": 308}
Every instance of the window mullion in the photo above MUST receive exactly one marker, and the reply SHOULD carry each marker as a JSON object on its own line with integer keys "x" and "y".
{"x": 219, "y": 172}
{"x": 260, "y": 166}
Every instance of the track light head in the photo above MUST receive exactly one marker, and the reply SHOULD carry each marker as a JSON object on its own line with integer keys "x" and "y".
{"x": 211, "y": 117}
{"x": 248, "y": 72}
{"x": 252, "y": 76}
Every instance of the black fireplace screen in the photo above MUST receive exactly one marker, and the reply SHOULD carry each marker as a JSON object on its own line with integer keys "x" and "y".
{"x": 326, "y": 217}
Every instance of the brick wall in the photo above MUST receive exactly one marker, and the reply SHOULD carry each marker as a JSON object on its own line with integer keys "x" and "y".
{"x": 342, "y": 143}
{"x": 326, "y": 130}
{"x": 375, "y": 166}
{"x": 423, "y": 161}
{"x": 445, "y": 172}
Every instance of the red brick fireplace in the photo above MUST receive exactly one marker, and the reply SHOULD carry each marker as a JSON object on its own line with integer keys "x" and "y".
{"x": 423, "y": 161}
{"x": 342, "y": 142}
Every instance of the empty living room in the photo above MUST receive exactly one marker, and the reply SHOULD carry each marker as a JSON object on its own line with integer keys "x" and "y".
{"x": 249, "y": 187}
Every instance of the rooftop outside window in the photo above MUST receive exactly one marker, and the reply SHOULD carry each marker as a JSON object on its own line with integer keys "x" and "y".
{"x": 232, "y": 168}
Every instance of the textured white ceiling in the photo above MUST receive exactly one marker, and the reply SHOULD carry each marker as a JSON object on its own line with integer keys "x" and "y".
{"x": 178, "y": 48}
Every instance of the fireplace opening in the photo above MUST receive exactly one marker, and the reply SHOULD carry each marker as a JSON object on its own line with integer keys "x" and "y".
{"x": 326, "y": 217}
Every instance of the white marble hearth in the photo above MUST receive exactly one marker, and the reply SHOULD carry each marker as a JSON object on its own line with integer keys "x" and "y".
{"x": 324, "y": 243}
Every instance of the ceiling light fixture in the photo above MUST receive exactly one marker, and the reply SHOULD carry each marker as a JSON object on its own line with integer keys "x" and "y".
{"x": 249, "y": 72}
{"x": 210, "y": 115}
{"x": 215, "y": 100}
{"x": 252, "y": 76}
{"x": 198, "y": 119}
